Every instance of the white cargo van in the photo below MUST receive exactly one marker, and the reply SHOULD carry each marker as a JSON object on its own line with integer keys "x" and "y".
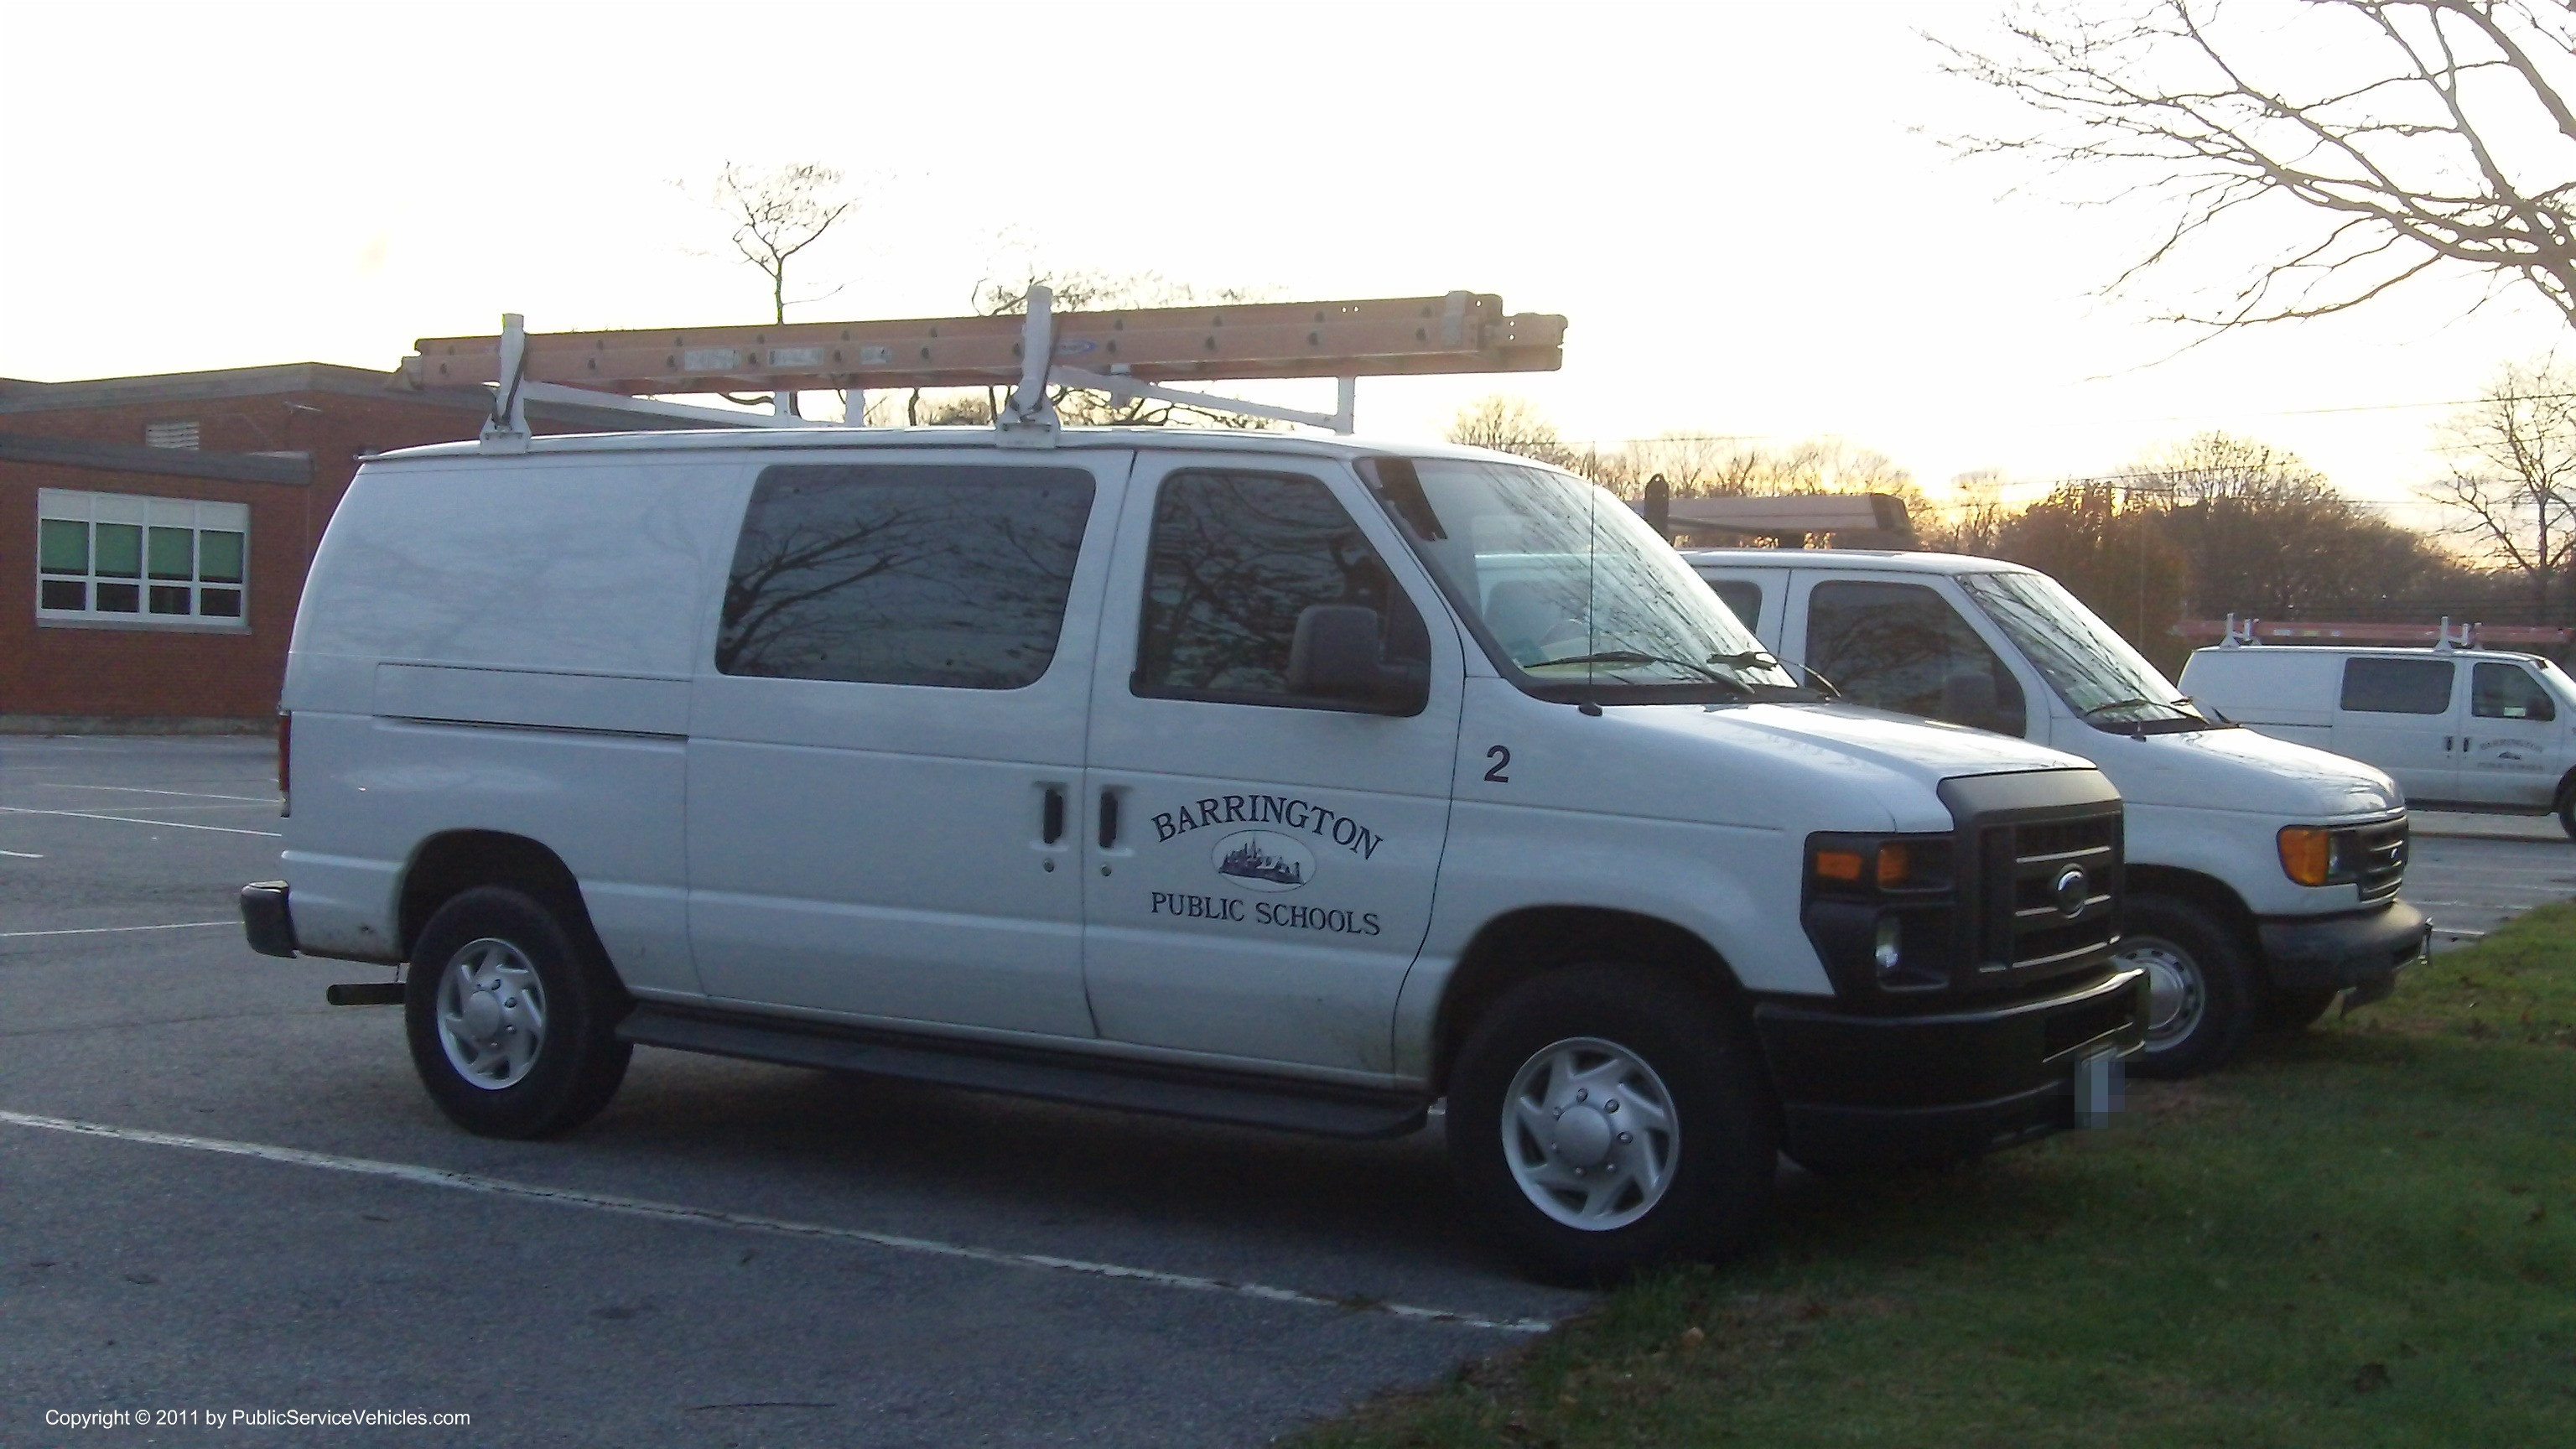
{"x": 2459, "y": 729}
{"x": 2263, "y": 876}
{"x": 1195, "y": 773}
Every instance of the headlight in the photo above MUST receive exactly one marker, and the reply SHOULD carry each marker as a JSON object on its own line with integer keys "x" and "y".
{"x": 1879, "y": 909}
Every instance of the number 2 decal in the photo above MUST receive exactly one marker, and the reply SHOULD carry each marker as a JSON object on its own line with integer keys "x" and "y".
{"x": 1502, "y": 758}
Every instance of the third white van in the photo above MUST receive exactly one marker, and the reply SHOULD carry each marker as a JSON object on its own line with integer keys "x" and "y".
{"x": 2458, "y": 729}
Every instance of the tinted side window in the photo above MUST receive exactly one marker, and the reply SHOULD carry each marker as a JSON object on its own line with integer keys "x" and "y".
{"x": 1236, "y": 557}
{"x": 2507, "y": 691}
{"x": 1742, "y": 596}
{"x": 1902, "y": 647}
{"x": 2397, "y": 686}
{"x": 904, "y": 573}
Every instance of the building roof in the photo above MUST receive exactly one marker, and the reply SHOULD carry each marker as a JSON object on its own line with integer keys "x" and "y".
{"x": 181, "y": 389}
{"x": 161, "y": 462}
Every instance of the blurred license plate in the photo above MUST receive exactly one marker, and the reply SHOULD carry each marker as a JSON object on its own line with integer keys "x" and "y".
{"x": 2100, "y": 1082}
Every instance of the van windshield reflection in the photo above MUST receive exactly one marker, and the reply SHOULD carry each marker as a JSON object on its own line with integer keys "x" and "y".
{"x": 1573, "y": 596}
{"x": 2107, "y": 683}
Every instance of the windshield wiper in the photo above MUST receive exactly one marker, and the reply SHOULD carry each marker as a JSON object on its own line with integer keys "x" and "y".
{"x": 2131, "y": 703}
{"x": 1632, "y": 656}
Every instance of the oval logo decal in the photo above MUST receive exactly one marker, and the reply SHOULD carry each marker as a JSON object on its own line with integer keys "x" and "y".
{"x": 1264, "y": 860}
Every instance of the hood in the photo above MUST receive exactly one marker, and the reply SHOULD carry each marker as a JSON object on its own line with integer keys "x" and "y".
{"x": 1822, "y": 767}
{"x": 2238, "y": 769}
{"x": 1926, "y": 749}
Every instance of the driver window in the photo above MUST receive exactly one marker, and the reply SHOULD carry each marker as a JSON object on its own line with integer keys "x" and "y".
{"x": 2507, "y": 691}
{"x": 1902, "y": 647}
{"x": 1235, "y": 559}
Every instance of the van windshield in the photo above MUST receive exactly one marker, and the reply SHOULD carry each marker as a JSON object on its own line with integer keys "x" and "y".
{"x": 1572, "y": 595}
{"x": 2089, "y": 665}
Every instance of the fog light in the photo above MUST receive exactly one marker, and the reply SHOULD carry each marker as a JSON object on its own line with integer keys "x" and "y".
{"x": 1890, "y": 944}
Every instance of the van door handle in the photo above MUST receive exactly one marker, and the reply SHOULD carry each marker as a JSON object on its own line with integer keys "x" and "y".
{"x": 1108, "y": 819}
{"x": 1052, "y": 816}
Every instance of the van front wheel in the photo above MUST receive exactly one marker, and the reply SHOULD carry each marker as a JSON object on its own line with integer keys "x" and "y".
{"x": 512, "y": 1027}
{"x": 2200, "y": 987}
{"x": 1602, "y": 1118}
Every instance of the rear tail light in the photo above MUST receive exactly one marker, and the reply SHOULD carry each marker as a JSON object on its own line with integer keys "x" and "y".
{"x": 285, "y": 749}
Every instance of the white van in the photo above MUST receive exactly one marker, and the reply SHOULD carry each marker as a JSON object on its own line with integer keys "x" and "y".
{"x": 1180, "y": 772}
{"x": 2262, "y": 876}
{"x": 2459, "y": 729}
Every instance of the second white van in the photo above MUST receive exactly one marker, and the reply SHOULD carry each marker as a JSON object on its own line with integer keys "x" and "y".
{"x": 2263, "y": 875}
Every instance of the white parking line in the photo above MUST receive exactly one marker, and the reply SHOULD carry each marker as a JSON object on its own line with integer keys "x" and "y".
{"x": 710, "y": 1217}
{"x": 21, "y": 854}
{"x": 111, "y": 930}
{"x": 130, "y": 820}
{"x": 139, "y": 790}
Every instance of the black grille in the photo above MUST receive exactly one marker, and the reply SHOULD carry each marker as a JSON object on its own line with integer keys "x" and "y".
{"x": 2379, "y": 858}
{"x": 2028, "y": 927}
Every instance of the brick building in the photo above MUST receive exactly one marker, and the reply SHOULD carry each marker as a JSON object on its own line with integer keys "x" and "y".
{"x": 160, "y": 529}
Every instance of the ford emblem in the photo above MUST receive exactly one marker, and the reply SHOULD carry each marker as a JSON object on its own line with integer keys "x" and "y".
{"x": 2073, "y": 889}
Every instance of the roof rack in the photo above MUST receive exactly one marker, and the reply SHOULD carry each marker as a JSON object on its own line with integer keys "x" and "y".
{"x": 2233, "y": 633}
{"x": 1128, "y": 354}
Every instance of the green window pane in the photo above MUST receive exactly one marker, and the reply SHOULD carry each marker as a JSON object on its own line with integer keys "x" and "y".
{"x": 174, "y": 553}
{"x": 219, "y": 557}
{"x": 120, "y": 550}
{"x": 64, "y": 546}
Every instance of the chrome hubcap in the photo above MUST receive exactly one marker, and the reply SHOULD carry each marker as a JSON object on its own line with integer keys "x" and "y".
{"x": 491, "y": 1013}
{"x": 2175, "y": 996}
{"x": 1590, "y": 1133}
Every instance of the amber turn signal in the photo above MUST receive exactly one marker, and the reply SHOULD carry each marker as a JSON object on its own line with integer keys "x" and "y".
{"x": 1843, "y": 865}
{"x": 2307, "y": 854}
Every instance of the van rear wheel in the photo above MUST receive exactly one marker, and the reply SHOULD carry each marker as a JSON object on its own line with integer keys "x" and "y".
{"x": 1602, "y": 1118}
{"x": 2201, "y": 995}
{"x": 512, "y": 1025}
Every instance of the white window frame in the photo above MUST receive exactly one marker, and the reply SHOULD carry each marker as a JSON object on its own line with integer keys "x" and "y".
{"x": 199, "y": 516}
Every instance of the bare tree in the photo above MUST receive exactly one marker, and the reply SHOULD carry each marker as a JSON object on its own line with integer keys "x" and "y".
{"x": 2511, "y": 492}
{"x": 2382, "y": 138}
{"x": 1974, "y": 522}
{"x": 777, "y": 213}
{"x": 1509, "y": 424}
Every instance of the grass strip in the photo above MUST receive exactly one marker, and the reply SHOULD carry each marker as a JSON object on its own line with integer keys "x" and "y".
{"x": 2362, "y": 1234}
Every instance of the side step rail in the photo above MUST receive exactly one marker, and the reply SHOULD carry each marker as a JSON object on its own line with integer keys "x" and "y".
{"x": 1125, "y": 1087}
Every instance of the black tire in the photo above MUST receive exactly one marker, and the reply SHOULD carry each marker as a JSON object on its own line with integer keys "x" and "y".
{"x": 2296, "y": 1010}
{"x": 2213, "y": 1003}
{"x": 578, "y": 1061}
{"x": 2567, "y": 812}
{"x": 1716, "y": 1193}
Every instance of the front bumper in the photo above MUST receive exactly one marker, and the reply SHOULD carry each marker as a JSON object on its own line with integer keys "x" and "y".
{"x": 1867, "y": 1090}
{"x": 2328, "y": 953}
{"x": 266, "y": 920}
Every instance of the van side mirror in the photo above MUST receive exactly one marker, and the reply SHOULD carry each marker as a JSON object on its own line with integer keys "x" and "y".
{"x": 1339, "y": 653}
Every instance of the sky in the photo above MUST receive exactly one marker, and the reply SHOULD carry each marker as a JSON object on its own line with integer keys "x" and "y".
{"x": 1744, "y": 209}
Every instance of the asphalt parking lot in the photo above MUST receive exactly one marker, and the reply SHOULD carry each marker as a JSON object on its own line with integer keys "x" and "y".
{"x": 221, "y": 1194}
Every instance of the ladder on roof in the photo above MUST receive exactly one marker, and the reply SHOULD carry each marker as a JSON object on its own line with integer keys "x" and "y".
{"x": 1128, "y": 354}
